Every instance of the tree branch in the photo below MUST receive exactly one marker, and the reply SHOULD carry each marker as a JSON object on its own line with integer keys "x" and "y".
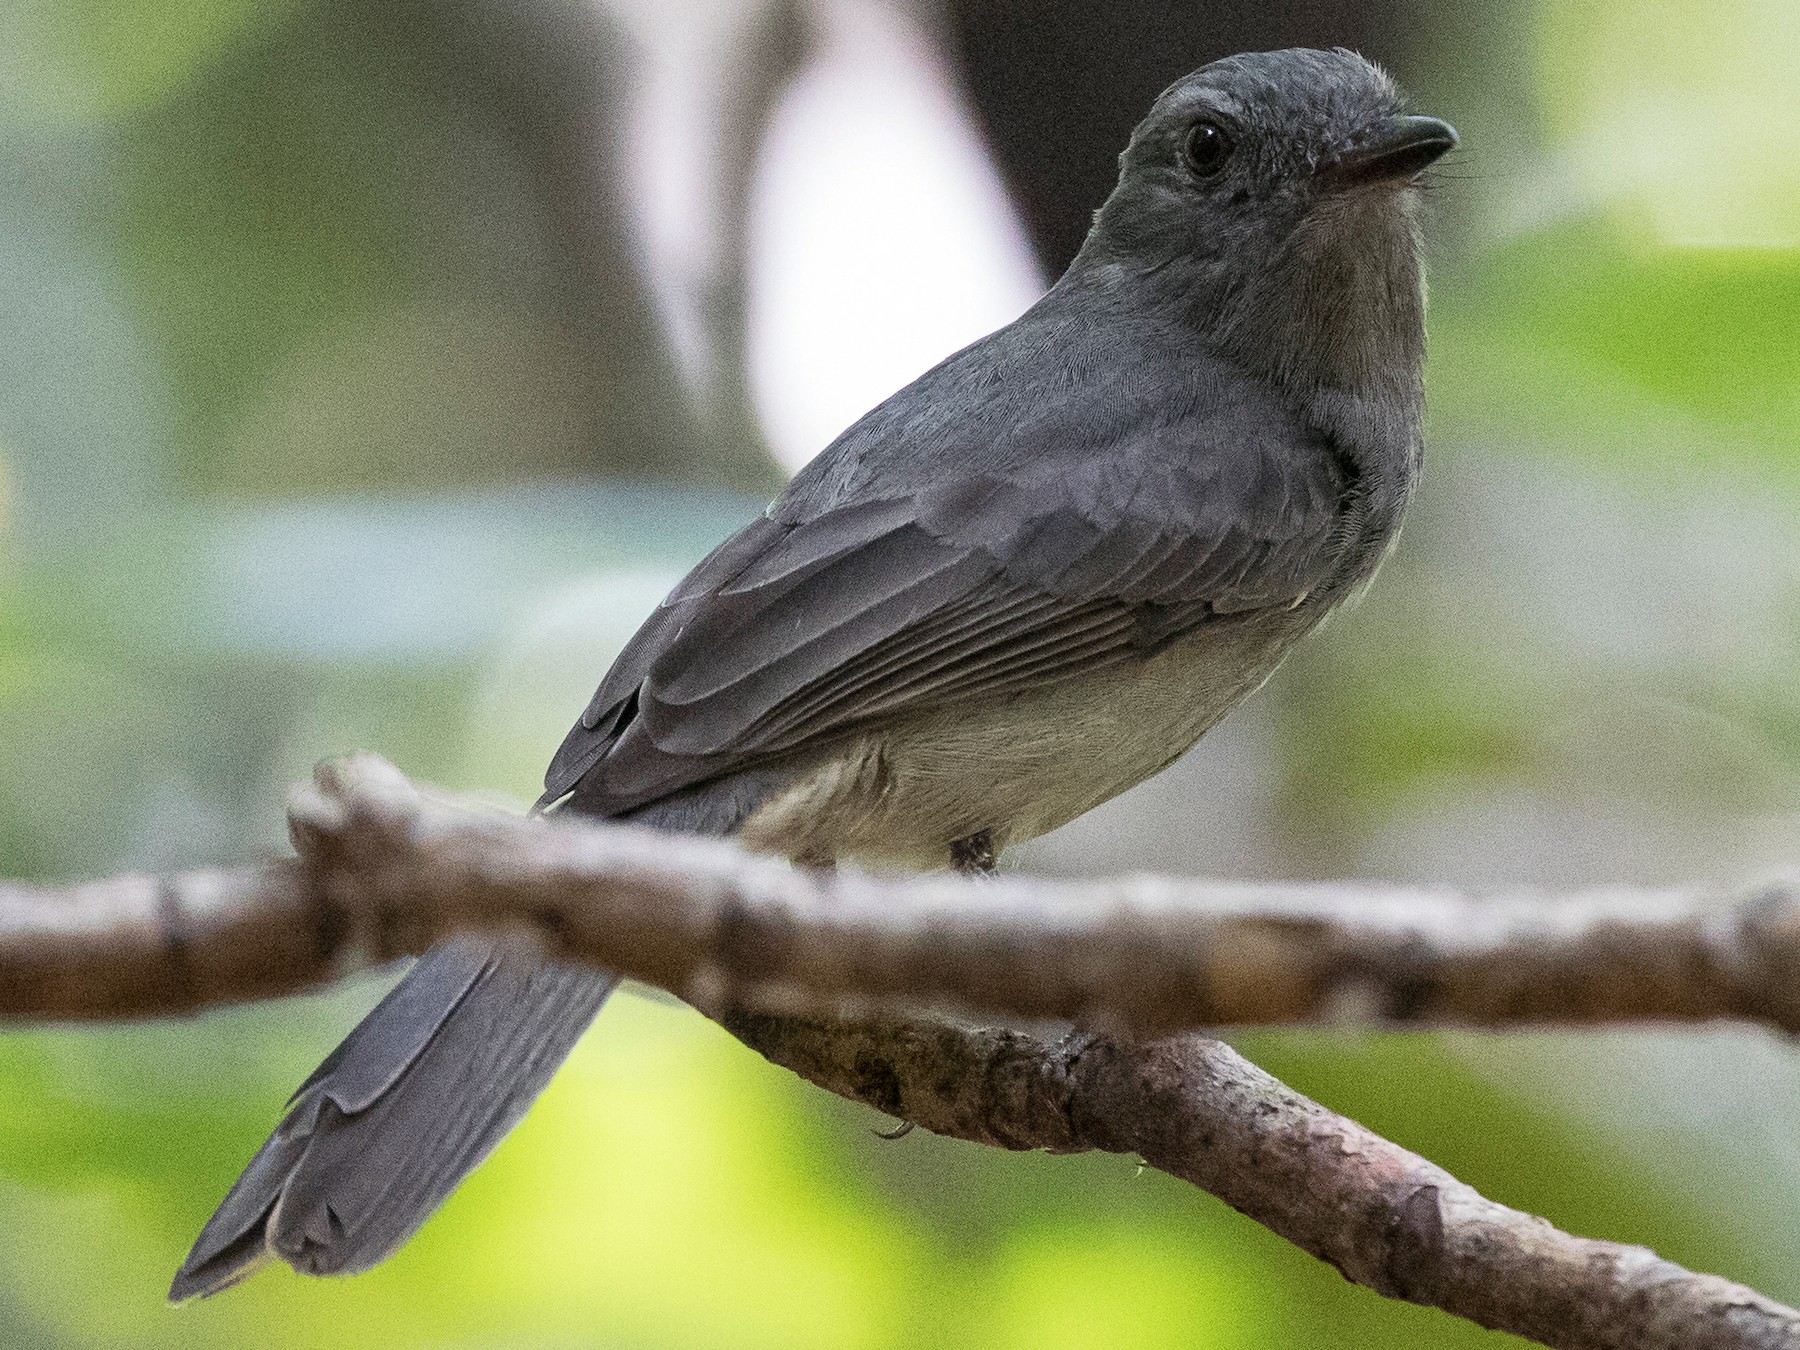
{"x": 136, "y": 946}
{"x": 1195, "y": 1108}
{"x": 1146, "y": 955}
{"x": 384, "y": 872}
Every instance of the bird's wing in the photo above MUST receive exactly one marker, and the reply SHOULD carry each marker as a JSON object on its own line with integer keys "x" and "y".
{"x": 790, "y": 633}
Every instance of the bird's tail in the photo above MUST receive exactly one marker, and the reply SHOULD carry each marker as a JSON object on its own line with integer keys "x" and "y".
{"x": 415, "y": 1097}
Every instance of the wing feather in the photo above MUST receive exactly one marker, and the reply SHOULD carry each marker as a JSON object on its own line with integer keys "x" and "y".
{"x": 794, "y": 632}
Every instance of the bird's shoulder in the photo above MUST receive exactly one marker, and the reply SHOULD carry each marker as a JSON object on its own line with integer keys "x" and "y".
{"x": 1080, "y": 397}
{"x": 1071, "y": 453}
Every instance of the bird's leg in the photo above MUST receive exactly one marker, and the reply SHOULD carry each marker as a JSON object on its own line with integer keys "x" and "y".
{"x": 975, "y": 854}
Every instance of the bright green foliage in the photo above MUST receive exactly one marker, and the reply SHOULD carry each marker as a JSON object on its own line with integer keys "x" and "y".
{"x": 78, "y": 59}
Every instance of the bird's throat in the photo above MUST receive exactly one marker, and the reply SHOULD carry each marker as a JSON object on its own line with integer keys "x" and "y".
{"x": 1341, "y": 311}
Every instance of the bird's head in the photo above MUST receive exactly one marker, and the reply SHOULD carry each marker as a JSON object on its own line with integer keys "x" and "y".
{"x": 1272, "y": 196}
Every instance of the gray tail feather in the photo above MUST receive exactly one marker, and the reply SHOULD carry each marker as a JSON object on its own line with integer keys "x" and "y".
{"x": 415, "y": 1097}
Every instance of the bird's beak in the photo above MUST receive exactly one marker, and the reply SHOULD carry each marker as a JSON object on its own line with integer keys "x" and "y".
{"x": 1396, "y": 151}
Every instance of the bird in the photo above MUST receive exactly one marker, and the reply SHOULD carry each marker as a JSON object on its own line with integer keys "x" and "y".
{"x": 1024, "y": 583}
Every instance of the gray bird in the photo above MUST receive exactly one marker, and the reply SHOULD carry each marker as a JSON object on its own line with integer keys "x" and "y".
{"x": 1027, "y": 581}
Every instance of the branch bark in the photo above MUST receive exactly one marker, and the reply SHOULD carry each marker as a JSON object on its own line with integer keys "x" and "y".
{"x": 136, "y": 946}
{"x": 383, "y": 872}
{"x": 1195, "y": 1108}
{"x": 396, "y": 870}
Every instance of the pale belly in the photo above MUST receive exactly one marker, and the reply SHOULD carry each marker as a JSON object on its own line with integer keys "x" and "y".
{"x": 1018, "y": 766}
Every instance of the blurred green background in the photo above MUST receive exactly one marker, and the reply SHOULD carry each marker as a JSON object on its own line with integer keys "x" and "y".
{"x": 367, "y": 372}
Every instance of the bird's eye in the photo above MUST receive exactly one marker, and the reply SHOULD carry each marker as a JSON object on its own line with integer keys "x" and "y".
{"x": 1209, "y": 145}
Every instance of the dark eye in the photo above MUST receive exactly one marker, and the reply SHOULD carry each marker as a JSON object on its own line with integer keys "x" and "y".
{"x": 1208, "y": 147}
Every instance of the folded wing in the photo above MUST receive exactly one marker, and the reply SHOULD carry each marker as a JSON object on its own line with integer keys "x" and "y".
{"x": 792, "y": 633}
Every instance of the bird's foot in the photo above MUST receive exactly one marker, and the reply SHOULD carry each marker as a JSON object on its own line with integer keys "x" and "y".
{"x": 975, "y": 854}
